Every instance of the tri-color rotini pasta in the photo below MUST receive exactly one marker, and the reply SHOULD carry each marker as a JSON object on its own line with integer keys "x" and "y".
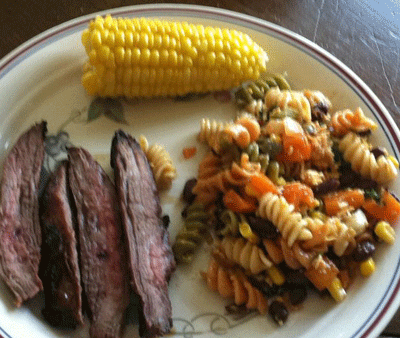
{"x": 297, "y": 197}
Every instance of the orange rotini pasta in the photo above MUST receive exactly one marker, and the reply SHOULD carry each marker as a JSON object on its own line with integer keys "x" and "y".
{"x": 231, "y": 283}
{"x": 244, "y": 130}
{"x": 345, "y": 121}
{"x": 224, "y": 179}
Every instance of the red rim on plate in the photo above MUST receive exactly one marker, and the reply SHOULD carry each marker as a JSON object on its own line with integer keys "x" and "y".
{"x": 387, "y": 305}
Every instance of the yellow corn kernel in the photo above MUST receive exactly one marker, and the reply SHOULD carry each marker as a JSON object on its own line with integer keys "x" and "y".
{"x": 318, "y": 215}
{"x": 385, "y": 232}
{"x": 246, "y": 232}
{"x": 200, "y": 58}
{"x": 367, "y": 267}
{"x": 394, "y": 161}
{"x": 276, "y": 275}
{"x": 336, "y": 290}
{"x": 119, "y": 55}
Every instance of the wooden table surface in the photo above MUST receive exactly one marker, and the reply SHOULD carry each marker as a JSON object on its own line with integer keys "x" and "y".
{"x": 364, "y": 34}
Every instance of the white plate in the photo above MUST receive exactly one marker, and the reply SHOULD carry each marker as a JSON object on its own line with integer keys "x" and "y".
{"x": 41, "y": 80}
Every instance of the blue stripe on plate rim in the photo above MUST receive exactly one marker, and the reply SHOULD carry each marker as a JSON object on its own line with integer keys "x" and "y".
{"x": 390, "y": 300}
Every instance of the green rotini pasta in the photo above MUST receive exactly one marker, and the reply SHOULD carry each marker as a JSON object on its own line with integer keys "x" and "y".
{"x": 253, "y": 150}
{"x": 192, "y": 233}
{"x": 230, "y": 221}
{"x": 256, "y": 90}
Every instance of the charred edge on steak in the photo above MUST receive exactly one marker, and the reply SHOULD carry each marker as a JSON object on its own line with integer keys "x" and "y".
{"x": 150, "y": 256}
{"x": 20, "y": 233}
{"x": 59, "y": 269}
{"x": 103, "y": 268}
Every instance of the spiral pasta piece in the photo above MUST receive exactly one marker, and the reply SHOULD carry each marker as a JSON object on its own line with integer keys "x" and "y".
{"x": 210, "y": 133}
{"x": 255, "y": 107}
{"x": 210, "y": 165}
{"x": 253, "y": 151}
{"x": 191, "y": 235}
{"x": 249, "y": 256}
{"x": 230, "y": 221}
{"x": 357, "y": 152}
{"x": 244, "y": 130}
{"x": 345, "y": 121}
{"x": 290, "y": 224}
{"x": 274, "y": 250}
{"x": 317, "y": 99}
{"x": 161, "y": 163}
{"x": 233, "y": 284}
{"x": 289, "y": 100}
{"x": 237, "y": 175}
{"x": 251, "y": 124}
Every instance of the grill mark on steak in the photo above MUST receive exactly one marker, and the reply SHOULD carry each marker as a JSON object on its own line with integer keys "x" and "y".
{"x": 59, "y": 267}
{"x": 103, "y": 267}
{"x": 20, "y": 233}
{"x": 150, "y": 256}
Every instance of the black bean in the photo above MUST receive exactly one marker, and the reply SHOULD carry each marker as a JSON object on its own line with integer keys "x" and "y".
{"x": 348, "y": 178}
{"x": 266, "y": 289}
{"x": 319, "y": 111}
{"x": 297, "y": 293}
{"x": 341, "y": 262}
{"x": 278, "y": 311}
{"x": 317, "y": 115}
{"x": 188, "y": 195}
{"x": 184, "y": 212}
{"x": 262, "y": 227}
{"x": 322, "y": 106}
{"x": 363, "y": 251}
{"x": 218, "y": 224}
{"x": 295, "y": 277}
{"x": 378, "y": 151}
{"x": 365, "y": 183}
{"x": 166, "y": 220}
{"x": 327, "y": 186}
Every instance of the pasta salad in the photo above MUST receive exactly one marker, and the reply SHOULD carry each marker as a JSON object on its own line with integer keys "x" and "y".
{"x": 292, "y": 197}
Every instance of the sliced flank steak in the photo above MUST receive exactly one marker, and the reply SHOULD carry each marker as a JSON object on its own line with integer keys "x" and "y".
{"x": 20, "y": 232}
{"x": 59, "y": 268}
{"x": 103, "y": 266}
{"x": 150, "y": 256}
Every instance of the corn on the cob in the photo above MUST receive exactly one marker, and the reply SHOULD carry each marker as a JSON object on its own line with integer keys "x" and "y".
{"x": 143, "y": 57}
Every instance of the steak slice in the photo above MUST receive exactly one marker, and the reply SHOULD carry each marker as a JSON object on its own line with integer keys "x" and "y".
{"x": 103, "y": 267}
{"x": 20, "y": 233}
{"x": 150, "y": 256}
{"x": 59, "y": 267}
